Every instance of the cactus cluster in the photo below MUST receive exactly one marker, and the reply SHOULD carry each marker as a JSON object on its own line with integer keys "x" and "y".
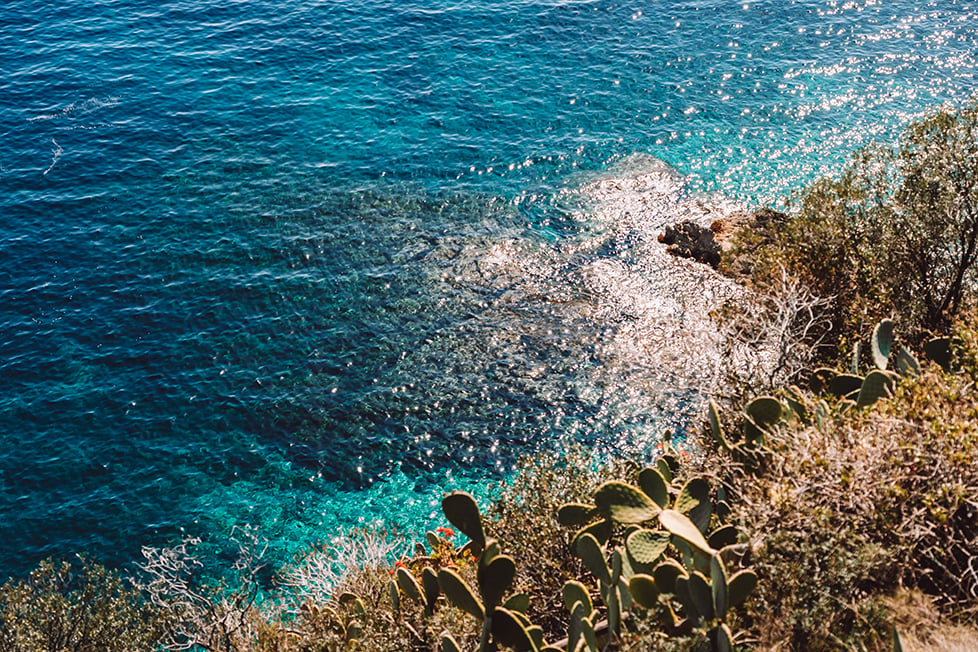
{"x": 504, "y": 621}
{"x": 674, "y": 552}
{"x": 853, "y": 389}
{"x": 761, "y": 416}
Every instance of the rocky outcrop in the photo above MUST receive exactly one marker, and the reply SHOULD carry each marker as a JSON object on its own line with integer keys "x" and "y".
{"x": 688, "y": 239}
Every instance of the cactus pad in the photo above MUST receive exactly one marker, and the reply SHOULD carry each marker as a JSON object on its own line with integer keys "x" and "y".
{"x": 666, "y": 574}
{"x": 718, "y": 585}
{"x": 646, "y": 546}
{"x": 881, "y": 343}
{"x": 462, "y": 511}
{"x": 409, "y": 585}
{"x": 644, "y": 591}
{"x": 906, "y": 363}
{"x": 429, "y": 580}
{"x": 624, "y": 503}
{"x": 716, "y": 427}
{"x": 509, "y": 630}
{"x": 844, "y": 384}
{"x": 739, "y": 586}
{"x": 721, "y": 638}
{"x": 694, "y": 501}
{"x": 600, "y": 530}
{"x": 693, "y": 592}
{"x": 723, "y": 536}
{"x": 877, "y": 385}
{"x": 575, "y": 514}
{"x": 939, "y": 350}
{"x": 574, "y": 591}
{"x": 518, "y": 602}
{"x": 679, "y": 525}
{"x": 495, "y": 579}
{"x": 654, "y": 485}
{"x": 591, "y": 554}
{"x": 449, "y": 644}
{"x": 459, "y": 594}
{"x": 765, "y": 411}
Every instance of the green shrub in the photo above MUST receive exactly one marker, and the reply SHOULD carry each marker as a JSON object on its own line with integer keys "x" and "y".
{"x": 77, "y": 606}
{"x": 856, "y": 502}
{"x": 896, "y": 234}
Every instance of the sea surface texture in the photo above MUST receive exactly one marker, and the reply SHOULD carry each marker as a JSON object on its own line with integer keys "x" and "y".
{"x": 305, "y": 264}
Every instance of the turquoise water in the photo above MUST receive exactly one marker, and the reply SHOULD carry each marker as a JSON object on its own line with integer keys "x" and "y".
{"x": 307, "y": 264}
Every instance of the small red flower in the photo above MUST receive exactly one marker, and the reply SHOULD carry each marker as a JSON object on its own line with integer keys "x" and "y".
{"x": 446, "y": 531}
{"x": 399, "y": 564}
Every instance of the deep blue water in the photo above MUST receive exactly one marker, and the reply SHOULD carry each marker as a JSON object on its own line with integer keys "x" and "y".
{"x": 300, "y": 264}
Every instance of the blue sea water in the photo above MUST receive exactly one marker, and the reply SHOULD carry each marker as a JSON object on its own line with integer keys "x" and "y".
{"x": 306, "y": 264}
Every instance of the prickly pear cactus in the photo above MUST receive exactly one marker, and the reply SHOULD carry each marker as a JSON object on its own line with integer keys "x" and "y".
{"x": 624, "y": 503}
{"x": 877, "y": 385}
{"x": 462, "y": 511}
{"x": 882, "y": 342}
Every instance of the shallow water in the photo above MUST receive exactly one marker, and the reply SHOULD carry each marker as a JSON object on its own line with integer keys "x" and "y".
{"x": 306, "y": 264}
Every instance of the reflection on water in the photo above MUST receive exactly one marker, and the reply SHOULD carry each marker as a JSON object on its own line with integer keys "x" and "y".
{"x": 512, "y": 341}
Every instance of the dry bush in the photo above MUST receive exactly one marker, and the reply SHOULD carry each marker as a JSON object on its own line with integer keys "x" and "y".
{"x": 847, "y": 513}
{"x": 772, "y": 336}
{"x": 201, "y": 615}
{"x": 349, "y": 558}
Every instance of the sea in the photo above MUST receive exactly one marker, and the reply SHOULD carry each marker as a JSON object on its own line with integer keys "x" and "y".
{"x": 300, "y": 266}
